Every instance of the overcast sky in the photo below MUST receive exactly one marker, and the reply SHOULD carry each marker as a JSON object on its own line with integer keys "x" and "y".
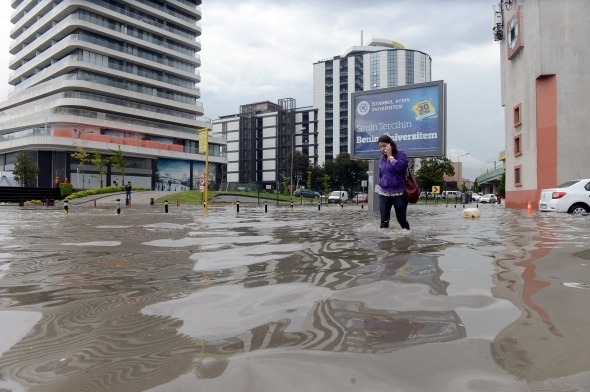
{"x": 258, "y": 50}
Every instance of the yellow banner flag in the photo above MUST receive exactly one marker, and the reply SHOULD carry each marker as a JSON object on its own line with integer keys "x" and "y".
{"x": 203, "y": 140}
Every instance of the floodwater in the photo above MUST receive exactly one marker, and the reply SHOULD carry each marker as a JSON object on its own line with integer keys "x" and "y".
{"x": 301, "y": 300}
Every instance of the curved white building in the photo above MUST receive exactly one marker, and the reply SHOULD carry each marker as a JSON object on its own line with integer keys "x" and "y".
{"x": 105, "y": 75}
{"x": 379, "y": 64}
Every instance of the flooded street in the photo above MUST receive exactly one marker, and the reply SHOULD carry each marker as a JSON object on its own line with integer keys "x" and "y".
{"x": 293, "y": 301}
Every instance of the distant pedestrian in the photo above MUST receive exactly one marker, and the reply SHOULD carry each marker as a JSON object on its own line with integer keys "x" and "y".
{"x": 128, "y": 190}
{"x": 66, "y": 181}
{"x": 57, "y": 181}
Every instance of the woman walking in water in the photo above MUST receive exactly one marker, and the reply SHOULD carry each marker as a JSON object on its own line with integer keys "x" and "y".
{"x": 393, "y": 166}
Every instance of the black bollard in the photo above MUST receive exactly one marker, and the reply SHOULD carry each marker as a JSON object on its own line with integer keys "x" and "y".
{"x": 151, "y": 201}
{"x": 237, "y": 206}
{"x": 342, "y": 205}
{"x": 319, "y": 206}
{"x": 291, "y": 205}
{"x": 66, "y": 208}
{"x": 118, "y": 206}
{"x": 166, "y": 206}
{"x": 265, "y": 207}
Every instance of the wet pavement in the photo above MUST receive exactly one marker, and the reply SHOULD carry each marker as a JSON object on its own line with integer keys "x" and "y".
{"x": 308, "y": 300}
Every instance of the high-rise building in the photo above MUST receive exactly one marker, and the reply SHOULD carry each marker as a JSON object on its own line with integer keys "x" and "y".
{"x": 104, "y": 75}
{"x": 545, "y": 82}
{"x": 380, "y": 64}
{"x": 261, "y": 139}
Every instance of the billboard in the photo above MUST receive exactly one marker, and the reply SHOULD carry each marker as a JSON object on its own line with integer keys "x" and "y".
{"x": 412, "y": 115}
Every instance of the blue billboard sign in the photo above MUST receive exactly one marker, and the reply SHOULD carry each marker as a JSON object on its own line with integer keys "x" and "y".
{"x": 412, "y": 115}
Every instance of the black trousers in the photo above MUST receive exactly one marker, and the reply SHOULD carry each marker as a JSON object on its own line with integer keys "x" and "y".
{"x": 400, "y": 206}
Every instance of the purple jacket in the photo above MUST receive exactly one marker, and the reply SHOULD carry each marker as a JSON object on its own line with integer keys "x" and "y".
{"x": 392, "y": 176}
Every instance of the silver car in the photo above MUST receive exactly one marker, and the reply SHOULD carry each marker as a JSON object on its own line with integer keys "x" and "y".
{"x": 488, "y": 198}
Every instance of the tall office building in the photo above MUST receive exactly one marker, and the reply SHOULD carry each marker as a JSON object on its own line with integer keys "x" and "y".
{"x": 104, "y": 75}
{"x": 380, "y": 64}
{"x": 545, "y": 83}
{"x": 262, "y": 137}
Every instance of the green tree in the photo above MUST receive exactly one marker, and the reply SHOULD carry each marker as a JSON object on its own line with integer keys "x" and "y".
{"x": 118, "y": 161}
{"x": 432, "y": 172}
{"x": 285, "y": 183}
{"x": 25, "y": 170}
{"x": 464, "y": 187}
{"x": 83, "y": 157}
{"x": 475, "y": 187}
{"x": 326, "y": 183}
{"x": 316, "y": 172}
{"x": 502, "y": 186}
{"x": 300, "y": 166}
{"x": 345, "y": 173}
{"x": 100, "y": 163}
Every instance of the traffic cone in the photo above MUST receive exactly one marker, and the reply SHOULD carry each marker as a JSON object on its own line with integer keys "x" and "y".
{"x": 529, "y": 208}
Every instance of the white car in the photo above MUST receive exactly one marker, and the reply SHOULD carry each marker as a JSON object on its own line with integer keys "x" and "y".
{"x": 476, "y": 196}
{"x": 572, "y": 197}
{"x": 338, "y": 197}
{"x": 488, "y": 198}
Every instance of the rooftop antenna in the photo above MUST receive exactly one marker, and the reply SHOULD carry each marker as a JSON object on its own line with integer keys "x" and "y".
{"x": 361, "y": 37}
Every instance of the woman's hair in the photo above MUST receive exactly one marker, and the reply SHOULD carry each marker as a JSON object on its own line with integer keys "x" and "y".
{"x": 388, "y": 140}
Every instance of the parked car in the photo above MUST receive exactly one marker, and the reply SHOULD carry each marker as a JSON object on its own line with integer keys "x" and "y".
{"x": 488, "y": 198}
{"x": 476, "y": 196}
{"x": 303, "y": 192}
{"x": 338, "y": 197}
{"x": 361, "y": 198}
{"x": 425, "y": 194}
{"x": 451, "y": 195}
{"x": 572, "y": 197}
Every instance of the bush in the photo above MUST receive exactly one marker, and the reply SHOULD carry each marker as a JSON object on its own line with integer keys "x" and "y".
{"x": 33, "y": 203}
{"x": 66, "y": 189}
{"x": 97, "y": 191}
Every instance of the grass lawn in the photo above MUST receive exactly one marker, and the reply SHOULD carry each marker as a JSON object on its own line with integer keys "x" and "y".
{"x": 197, "y": 197}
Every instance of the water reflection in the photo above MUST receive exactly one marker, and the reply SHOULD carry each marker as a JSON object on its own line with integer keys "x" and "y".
{"x": 537, "y": 271}
{"x": 170, "y": 302}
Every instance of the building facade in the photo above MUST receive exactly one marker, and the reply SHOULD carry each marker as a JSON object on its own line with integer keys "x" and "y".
{"x": 380, "y": 64}
{"x": 104, "y": 75}
{"x": 261, "y": 139}
{"x": 545, "y": 81}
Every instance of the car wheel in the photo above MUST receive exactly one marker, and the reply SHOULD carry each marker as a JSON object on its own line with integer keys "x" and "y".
{"x": 579, "y": 209}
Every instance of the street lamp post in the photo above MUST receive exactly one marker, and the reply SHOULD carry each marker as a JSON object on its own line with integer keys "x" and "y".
{"x": 460, "y": 174}
{"x": 293, "y": 153}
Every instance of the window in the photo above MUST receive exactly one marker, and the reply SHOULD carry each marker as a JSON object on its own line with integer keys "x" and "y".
{"x": 517, "y": 118}
{"x": 517, "y": 147}
{"x": 517, "y": 175}
{"x": 409, "y": 67}
{"x": 375, "y": 72}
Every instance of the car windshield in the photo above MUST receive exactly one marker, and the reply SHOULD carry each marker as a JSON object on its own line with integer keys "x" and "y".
{"x": 335, "y": 193}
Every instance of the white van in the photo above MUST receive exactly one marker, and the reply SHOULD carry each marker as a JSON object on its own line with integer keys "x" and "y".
{"x": 451, "y": 195}
{"x": 338, "y": 197}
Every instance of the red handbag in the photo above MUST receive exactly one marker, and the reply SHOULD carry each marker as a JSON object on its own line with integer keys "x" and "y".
{"x": 412, "y": 190}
